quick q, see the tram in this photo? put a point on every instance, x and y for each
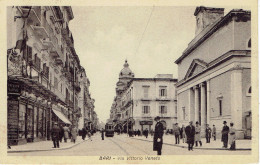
(109, 129)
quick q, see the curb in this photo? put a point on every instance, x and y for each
(239, 149)
(52, 149)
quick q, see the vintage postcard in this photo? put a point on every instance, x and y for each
(129, 82)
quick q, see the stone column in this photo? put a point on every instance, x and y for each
(203, 108)
(236, 100)
(196, 101)
(208, 103)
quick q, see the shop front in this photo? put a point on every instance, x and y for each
(28, 113)
(147, 124)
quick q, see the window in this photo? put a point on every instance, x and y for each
(162, 109)
(183, 113)
(163, 92)
(146, 109)
(146, 89)
(220, 107)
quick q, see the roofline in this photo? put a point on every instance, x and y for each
(218, 25)
(226, 56)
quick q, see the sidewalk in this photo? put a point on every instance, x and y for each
(213, 145)
(44, 146)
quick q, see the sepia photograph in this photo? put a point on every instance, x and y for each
(130, 84)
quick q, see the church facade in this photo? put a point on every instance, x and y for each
(214, 72)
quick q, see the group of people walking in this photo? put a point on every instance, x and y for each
(63, 132)
(192, 135)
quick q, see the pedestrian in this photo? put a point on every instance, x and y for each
(146, 133)
(214, 132)
(190, 133)
(152, 132)
(74, 133)
(135, 132)
(66, 133)
(139, 132)
(102, 133)
(158, 136)
(208, 133)
(177, 134)
(232, 137)
(55, 133)
(181, 133)
(197, 134)
(61, 135)
(83, 133)
(89, 135)
(184, 139)
(224, 138)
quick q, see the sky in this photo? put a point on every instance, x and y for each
(150, 38)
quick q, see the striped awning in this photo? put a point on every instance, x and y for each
(61, 116)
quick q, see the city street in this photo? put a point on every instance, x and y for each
(121, 145)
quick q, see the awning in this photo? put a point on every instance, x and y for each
(61, 116)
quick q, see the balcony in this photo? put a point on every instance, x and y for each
(67, 35)
(163, 98)
(35, 13)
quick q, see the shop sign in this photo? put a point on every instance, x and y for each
(146, 122)
(13, 87)
(13, 110)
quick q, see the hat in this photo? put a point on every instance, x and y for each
(197, 122)
(191, 122)
(176, 123)
(157, 118)
(224, 122)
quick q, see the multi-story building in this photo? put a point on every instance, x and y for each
(44, 72)
(142, 99)
(214, 71)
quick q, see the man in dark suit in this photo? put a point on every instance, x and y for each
(55, 134)
(158, 136)
(190, 132)
(225, 131)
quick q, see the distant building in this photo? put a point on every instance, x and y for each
(214, 71)
(140, 100)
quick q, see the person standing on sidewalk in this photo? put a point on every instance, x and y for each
(184, 139)
(89, 135)
(74, 133)
(158, 136)
(61, 132)
(55, 133)
(190, 132)
(83, 133)
(102, 133)
(197, 134)
(177, 134)
(224, 138)
(66, 133)
(146, 133)
(232, 137)
(208, 133)
(214, 132)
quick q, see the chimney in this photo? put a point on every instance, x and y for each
(206, 16)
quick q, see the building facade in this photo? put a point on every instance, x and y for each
(141, 100)
(214, 72)
(44, 72)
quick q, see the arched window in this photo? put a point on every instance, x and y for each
(249, 43)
